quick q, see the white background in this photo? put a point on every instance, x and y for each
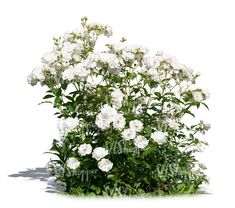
(200, 33)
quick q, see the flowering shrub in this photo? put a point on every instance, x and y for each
(121, 117)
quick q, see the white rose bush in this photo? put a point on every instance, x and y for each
(121, 117)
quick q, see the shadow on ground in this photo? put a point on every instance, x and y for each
(39, 174)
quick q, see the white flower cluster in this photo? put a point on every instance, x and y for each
(98, 153)
(79, 71)
(104, 164)
(110, 115)
(136, 126)
(141, 142)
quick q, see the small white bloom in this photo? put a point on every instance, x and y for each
(99, 153)
(68, 74)
(205, 126)
(152, 72)
(71, 123)
(49, 58)
(206, 93)
(105, 165)
(105, 117)
(67, 125)
(93, 80)
(172, 123)
(136, 125)
(158, 137)
(117, 98)
(67, 50)
(73, 163)
(141, 142)
(128, 134)
(198, 96)
(110, 59)
(108, 31)
(189, 73)
(84, 149)
(101, 122)
(151, 62)
(119, 122)
(127, 56)
(38, 74)
(90, 61)
(81, 70)
(31, 80)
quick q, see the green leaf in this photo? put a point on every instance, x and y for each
(48, 96)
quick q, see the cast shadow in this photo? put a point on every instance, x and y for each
(39, 174)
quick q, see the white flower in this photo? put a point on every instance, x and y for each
(189, 73)
(198, 96)
(73, 163)
(81, 70)
(128, 134)
(90, 61)
(78, 70)
(117, 98)
(206, 93)
(99, 152)
(93, 80)
(31, 80)
(155, 75)
(105, 117)
(67, 50)
(172, 123)
(105, 165)
(151, 61)
(166, 57)
(101, 122)
(119, 122)
(67, 125)
(108, 31)
(49, 58)
(110, 59)
(38, 74)
(136, 125)
(84, 149)
(205, 126)
(68, 74)
(152, 72)
(127, 56)
(141, 142)
(158, 137)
